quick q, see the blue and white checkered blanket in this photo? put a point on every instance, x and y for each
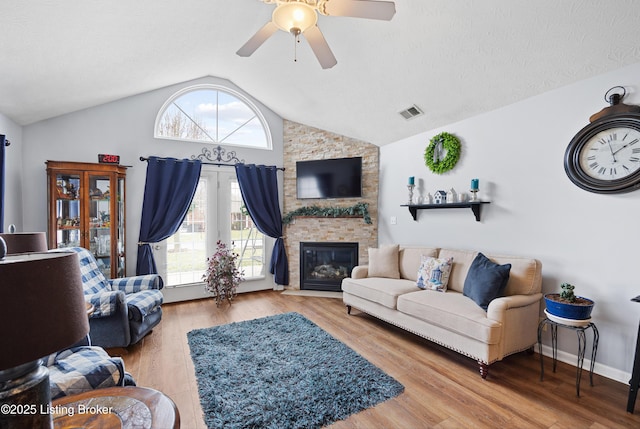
(84, 368)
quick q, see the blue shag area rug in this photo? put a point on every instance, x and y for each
(282, 372)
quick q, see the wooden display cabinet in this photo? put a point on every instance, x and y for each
(87, 209)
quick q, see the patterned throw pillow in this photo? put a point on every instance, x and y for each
(433, 273)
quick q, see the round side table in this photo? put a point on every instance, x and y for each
(116, 407)
(582, 345)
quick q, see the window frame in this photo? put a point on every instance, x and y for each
(220, 88)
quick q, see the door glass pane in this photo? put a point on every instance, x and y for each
(248, 242)
(186, 249)
(100, 222)
(68, 210)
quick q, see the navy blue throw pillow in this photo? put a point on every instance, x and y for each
(485, 280)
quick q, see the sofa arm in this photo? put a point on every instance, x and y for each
(360, 272)
(499, 306)
(107, 303)
(137, 283)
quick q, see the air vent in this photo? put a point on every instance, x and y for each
(411, 112)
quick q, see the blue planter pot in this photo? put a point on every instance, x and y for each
(568, 310)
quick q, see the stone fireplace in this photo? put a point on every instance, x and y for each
(323, 265)
(303, 143)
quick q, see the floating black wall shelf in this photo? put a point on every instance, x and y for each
(475, 207)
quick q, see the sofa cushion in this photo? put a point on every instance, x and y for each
(380, 290)
(485, 280)
(383, 262)
(434, 273)
(462, 260)
(525, 276)
(410, 259)
(452, 311)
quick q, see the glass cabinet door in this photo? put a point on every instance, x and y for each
(99, 237)
(120, 249)
(68, 210)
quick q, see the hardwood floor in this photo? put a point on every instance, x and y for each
(442, 388)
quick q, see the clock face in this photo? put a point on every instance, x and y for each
(604, 157)
(611, 154)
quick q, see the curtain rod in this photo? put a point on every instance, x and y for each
(218, 164)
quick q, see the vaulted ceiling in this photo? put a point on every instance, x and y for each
(452, 58)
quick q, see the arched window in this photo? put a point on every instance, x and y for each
(215, 115)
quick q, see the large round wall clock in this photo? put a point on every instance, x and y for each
(604, 157)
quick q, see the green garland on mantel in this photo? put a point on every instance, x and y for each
(360, 209)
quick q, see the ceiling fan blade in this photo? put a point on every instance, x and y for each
(383, 10)
(257, 39)
(320, 47)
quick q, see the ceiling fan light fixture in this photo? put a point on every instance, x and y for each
(294, 17)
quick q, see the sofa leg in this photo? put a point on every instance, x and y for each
(484, 370)
(348, 309)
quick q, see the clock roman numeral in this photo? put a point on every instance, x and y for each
(636, 150)
(593, 165)
(634, 159)
(632, 142)
(602, 170)
(591, 158)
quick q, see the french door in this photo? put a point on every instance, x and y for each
(216, 213)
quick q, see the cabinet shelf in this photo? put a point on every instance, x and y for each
(475, 207)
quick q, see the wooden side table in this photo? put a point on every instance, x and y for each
(116, 407)
(582, 345)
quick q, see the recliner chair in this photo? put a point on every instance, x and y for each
(125, 309)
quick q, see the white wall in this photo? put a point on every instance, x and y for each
(13, 176)
(517, 152)
(125, 128)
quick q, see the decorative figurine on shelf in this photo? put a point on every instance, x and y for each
(440, 197)
(95, 194)
(474, 189)
(451, 196)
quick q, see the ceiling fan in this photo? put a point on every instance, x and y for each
(300, 17)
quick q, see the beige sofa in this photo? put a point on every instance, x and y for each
(451, 319)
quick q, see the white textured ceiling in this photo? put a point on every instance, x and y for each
(452, 58)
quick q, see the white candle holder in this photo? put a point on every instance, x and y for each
(410, 188)
(474, 196)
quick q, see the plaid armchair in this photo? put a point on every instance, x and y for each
(126, 309)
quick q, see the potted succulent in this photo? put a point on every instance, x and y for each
(568, 306)
(222, 276)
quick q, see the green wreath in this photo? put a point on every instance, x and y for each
(433, 154)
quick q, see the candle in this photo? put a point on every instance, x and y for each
(412, 180)
(474, 184)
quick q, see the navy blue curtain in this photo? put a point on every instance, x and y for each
(2, 143)
(259, 188)
(168, 192)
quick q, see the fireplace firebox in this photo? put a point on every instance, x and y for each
(323, 265)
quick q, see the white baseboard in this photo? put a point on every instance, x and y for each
(600, 369)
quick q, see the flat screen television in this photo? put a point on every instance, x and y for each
(329, 178)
